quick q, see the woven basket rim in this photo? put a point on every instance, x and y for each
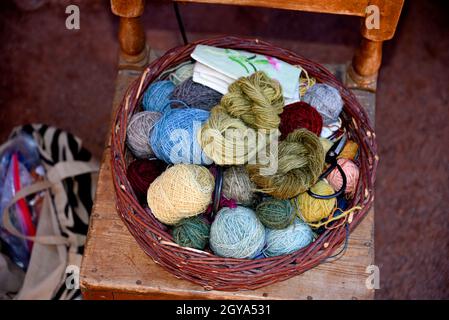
(206, 269)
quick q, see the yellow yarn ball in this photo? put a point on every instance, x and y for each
(182, 191)
(312, 209)
(349, 150)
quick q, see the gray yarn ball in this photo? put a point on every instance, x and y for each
(284, 241)
(326, 100)
(138, 133)
(237, 233)
(196, 95)
(238, 186)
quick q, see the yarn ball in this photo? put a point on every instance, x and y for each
(275, 214)
(327, 144)
(284, 241)
(157, 96)
(257, 100)
(238, 186)
(300, 163)
(352, 176)
(141, 173)
(326, 100)
(237, 233)
(222, 139)
(181, 191)
(300, 115)
(174, 138)
(342, 205)
(192, 232)
(350, 150)
(182, 73)
(312, 209)
(196, 95)
(138, 131)
(331, 130)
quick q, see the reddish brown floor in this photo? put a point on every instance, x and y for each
(66, 78)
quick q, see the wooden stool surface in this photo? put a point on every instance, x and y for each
(115, 267)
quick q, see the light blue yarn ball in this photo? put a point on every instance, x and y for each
(288, 240)
(326, 100)
(157, 96)
(174, 137)
(237, 233)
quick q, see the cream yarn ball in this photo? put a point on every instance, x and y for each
(182, 191)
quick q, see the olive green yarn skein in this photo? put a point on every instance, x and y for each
(300, 163)
(275, 214)
(192, 232)
(257, 100)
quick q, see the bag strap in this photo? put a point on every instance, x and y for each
(59, 172)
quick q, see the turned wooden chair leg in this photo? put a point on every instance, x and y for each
(134, 52)
(365, 65)
(363, 71)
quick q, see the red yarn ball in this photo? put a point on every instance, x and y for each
(141, 173)
(300, 115)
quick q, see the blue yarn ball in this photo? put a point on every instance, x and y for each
(174, 137)
(237, 233)
(157, 96)
(288, 240)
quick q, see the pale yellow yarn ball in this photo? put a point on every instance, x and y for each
(313, 209)
(182, 191)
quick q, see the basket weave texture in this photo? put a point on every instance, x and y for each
(206, 269)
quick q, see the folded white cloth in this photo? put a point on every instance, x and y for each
(217, 68)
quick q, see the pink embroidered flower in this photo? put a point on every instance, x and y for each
(274, 62)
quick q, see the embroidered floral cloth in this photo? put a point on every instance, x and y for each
(217, 68)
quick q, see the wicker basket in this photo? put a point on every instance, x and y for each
(206, 269)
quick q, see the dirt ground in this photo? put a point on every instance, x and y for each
(66, 78)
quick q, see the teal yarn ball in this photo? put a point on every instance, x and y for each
(192, 232)
(275, 214)
(157, 96)
(174, 137)
(237, 233)
(288, 240)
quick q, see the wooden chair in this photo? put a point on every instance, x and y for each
(114, 266)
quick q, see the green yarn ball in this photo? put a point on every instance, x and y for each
(275, 214)
(192, 232)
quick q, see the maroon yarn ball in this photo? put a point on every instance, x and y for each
(141, 173)
(300, 115)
